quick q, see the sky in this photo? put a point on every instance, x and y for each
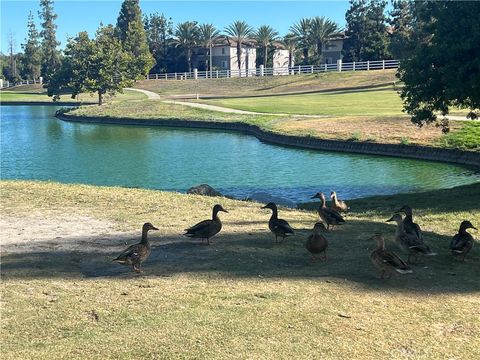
(75, 16)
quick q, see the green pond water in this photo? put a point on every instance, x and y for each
(35, 145)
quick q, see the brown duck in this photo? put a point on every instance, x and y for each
(317, 243)
(136, 254)
(410, 243)
(207, 228)
(278, 227)
(337, 204)
(462, 242)
(328, 216)
(387, 261)
(411, 228)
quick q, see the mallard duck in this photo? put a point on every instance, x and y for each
(136, 254)
(337, 204)
(387, 261)
(278, 226)
(462, 242)
(409, 242)
(207, 228)
(410, 227)
(316, 242)
(328, 216)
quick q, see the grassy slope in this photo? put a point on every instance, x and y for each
(270, 84)
(243, 297)
(38, 94)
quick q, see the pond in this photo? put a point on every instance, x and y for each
(35, 145)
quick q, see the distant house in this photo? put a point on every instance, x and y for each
(224, 56)
(280, 59)
(332, 51)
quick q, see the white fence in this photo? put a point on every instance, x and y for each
(294, 70)
(4, 84)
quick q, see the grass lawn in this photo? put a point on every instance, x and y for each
(370, 102)
(242, 297)
(38, 94)
(268, 85)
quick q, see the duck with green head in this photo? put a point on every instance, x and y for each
(462, 242)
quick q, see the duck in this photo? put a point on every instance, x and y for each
(387, 261)
(278, 227)
(410, 227)
(328, 215)
(136, 254)
(462, 242)
(316, 242)
(337, 204)
(207, 228)
(410, 243)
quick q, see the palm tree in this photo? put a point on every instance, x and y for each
(186, 37)
(321, 30)
(290, 42)
(301, 30)
(265, 35)
(239, 31)
(208, 34)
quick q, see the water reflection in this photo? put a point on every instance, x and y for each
(37, 146)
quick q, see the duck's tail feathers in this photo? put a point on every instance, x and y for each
(119, 261)
(457, 251)
(404, 271)
(431, 254)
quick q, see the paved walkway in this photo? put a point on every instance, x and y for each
(150, 94)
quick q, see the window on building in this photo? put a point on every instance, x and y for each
(224, 64)
(223, 51)
(329, 60)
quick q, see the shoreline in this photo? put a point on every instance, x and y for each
(462, 157)
(43, 103)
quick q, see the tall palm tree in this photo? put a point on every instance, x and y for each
(265, 35)
(186, 37)
(290, 42)
(208, 35)
(301, 30)
(321, 30)
(239, 31)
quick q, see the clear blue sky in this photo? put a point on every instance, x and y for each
(75, 16)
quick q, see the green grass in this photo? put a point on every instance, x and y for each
(38, 94)
(242, 297)
(373, 102)
(468, 137)
(267, 85)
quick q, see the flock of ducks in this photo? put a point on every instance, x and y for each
(408, 236)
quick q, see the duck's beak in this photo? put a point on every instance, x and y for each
(314, 196)
(264, 207)
(154, 228)
(473, 227)
(224, 210)
(391, 219)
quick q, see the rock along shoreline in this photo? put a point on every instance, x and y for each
(469, 158)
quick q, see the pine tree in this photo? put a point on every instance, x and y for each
(159, 31)
(32, 56)
(131, 32)
(50, 54)
(401, 21)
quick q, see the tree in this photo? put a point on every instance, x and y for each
(265, 35)
(239, 31)
(50, 54)
(301, 30)
(290, 43)
(32, 56)
(96, 66)
(208, 34)
(159, 31)
(186, 37)
(321, 30)
(131, 32)
(366, 31)
(444, 68)
(401, 23)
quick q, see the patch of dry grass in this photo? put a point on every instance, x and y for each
(243, 297)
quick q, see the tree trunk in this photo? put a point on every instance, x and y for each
(100, 99)
(305, 56)
(207, 56)
(290, 58)
(239, 58)
(265, 57)
(189, 59)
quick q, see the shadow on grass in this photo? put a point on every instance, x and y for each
(253, 255)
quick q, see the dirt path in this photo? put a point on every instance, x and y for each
(150, 94)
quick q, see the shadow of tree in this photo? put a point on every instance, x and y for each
(251, 255)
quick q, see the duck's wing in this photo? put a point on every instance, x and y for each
(133, 253)
(395, 261)
(413, 229)
(335, 215)
(198, 228)
(283, 226)
(459, 243)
